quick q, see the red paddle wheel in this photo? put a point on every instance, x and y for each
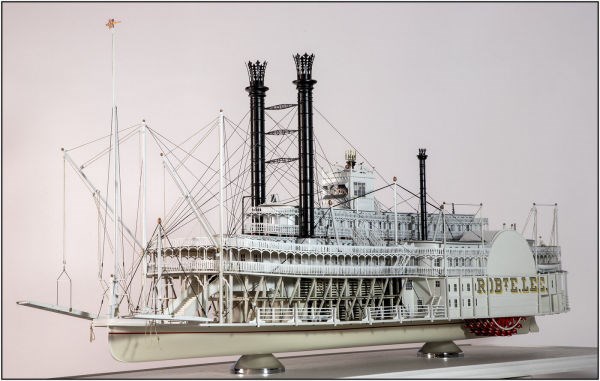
(504, 326)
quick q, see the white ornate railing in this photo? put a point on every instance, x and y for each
(410, 249)
(402, 313)
(268, 315)
(211, 266)
(262, 228)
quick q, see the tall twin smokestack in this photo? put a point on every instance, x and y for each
(304, 84)
(256, 91)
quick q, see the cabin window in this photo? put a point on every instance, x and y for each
(437, 283)
(455, 287)
(455, 303)
(468, 302)
(409, 285)
(468, 286)
(359, 189)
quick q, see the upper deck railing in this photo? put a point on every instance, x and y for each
(268, 268)
(292, 247)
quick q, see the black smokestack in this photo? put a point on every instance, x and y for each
(304, 84)
(423, 194)
(256, 92)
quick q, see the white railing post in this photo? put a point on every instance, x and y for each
(295, 315)
(257, 317)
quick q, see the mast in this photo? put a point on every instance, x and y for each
(115, 127)
(423, 194)
(304, 85)
(160, 285)
(144, 203)
(395, 212)
(221, 182)
(257, 91)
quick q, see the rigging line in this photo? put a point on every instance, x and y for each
(405, 200)
(107, 150)
(277, 123)
(293, 117)
(185, 274)
(171, 228)
(400, 203)
(101, 138)
(373, 191)
(279, 181)
(133, 274)
(209, 124)
(181, 223)
(101, 241)
(237, 123)
(289, 139)
(137, 216)
(229, 192)
(209, 166)
(368, 162)
(323, 155)
(126, 288)
(205, 187)
(241, 180)
(105, 235)
(291, 143)
(121, 230)
(347, 141)
(431, 197)
(159, 144)
(202, 140)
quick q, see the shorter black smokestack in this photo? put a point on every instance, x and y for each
(423, 193)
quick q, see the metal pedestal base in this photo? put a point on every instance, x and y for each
(440, 349)
(258, 364)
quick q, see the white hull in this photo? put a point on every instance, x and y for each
(166, 342)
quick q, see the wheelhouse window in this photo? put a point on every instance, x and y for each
(359, 189)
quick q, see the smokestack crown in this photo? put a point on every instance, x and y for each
(256, 73)
(422, 155)
(304, 65)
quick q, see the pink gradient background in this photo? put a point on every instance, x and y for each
(504, 96)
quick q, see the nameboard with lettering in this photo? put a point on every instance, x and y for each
(512, 285)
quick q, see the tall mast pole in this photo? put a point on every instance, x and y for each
(221, 125)
(115, 127)
(144, 203)
(395, 213)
